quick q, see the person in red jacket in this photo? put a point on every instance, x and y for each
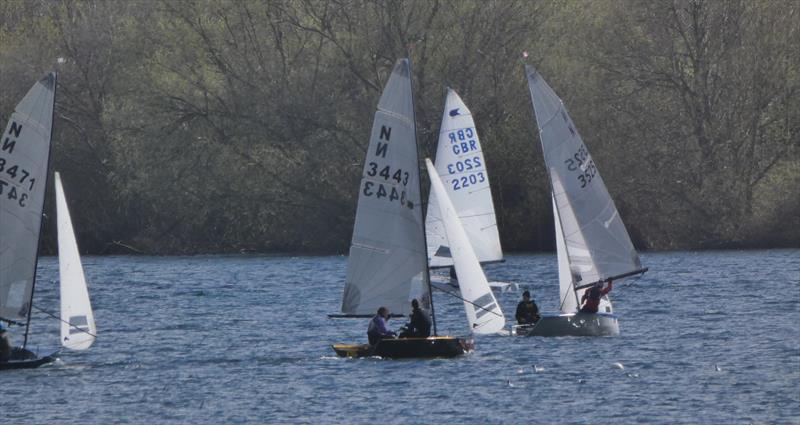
(591, 298)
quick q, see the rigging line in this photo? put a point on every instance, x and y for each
(462, 299)
(566, 294)
(62, 320)
(12, 322)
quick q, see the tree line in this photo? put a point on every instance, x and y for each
(229, 126)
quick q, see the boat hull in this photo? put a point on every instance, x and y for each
(409, 348)
(573, 324)
(25, 359)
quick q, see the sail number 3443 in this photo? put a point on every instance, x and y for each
(378, 190)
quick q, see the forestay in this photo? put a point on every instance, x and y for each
(387, 263)
(77, 320)
(483, 310)
(459, 160)
(597, 244)
(24, 155)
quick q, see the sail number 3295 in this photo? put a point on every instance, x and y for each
(583, 163)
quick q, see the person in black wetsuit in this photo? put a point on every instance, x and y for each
(5, 346)
(420, 324)
(527, 310)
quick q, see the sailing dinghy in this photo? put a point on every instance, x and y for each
(591, 241)
(460, 162)
(24, 161)
(387, 265)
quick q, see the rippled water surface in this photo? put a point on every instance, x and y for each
(708, 337)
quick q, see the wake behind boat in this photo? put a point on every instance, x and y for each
(592, 243)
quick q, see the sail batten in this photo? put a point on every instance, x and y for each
(461, 165)
(593, 238)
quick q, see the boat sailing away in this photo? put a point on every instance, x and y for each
(459, 157)
(591, 241)
(387, 265)
(24, 163)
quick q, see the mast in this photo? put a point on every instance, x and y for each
(426, 274)
(41, 222)
(601, 246)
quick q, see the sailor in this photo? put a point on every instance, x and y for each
(5, 346)
(420, 325)
(527, 310)
(377, 329)
(593, 295)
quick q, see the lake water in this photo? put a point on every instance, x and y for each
(706, 337)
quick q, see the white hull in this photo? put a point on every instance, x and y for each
(572, 324)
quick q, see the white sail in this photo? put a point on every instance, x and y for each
(459, 160)
(483, 310)
(387, 264)
(77, 320)
(568, 298)
(24, 156)
(597, 244)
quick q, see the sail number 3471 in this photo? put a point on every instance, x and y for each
(18, 175)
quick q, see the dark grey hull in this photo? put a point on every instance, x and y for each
(25, 359)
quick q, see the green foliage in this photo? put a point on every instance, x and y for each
(226, 126)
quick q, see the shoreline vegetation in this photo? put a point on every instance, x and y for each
(197, 127)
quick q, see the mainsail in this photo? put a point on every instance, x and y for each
(24, 155)
(77, 320)
(483, 310)
(596, 242)
(459, 160)
(387, 263)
